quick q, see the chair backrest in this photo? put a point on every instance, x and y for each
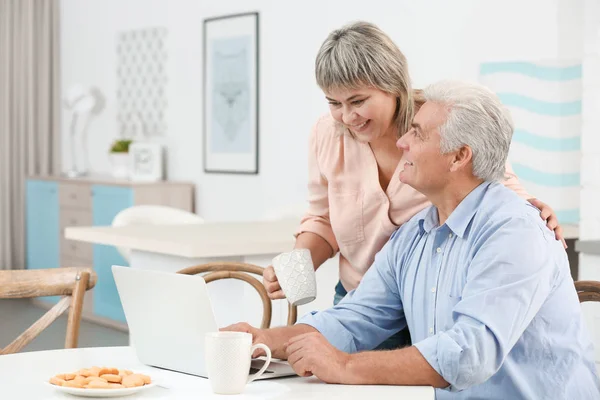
(588, 290)
(242, 271)
(152, 215)
(72, 283)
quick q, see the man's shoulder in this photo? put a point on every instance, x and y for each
(501, 208)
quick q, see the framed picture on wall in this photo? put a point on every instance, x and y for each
(230, 121)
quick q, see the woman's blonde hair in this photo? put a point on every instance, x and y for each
(360, 54)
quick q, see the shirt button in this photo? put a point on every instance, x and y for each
(431, 330)
(438, 250)
(432, 290)
(450, 235)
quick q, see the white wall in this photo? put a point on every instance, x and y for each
(590, 157)
(441, 40)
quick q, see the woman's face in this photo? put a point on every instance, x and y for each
(367, 112)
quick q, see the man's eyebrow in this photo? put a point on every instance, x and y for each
(416, 126)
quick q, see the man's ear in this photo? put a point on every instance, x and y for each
(462, 157)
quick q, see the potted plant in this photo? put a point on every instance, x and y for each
(119, 158)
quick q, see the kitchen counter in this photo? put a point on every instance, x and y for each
(588, 246)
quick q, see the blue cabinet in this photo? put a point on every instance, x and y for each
(107, 202)
(42, 227)
(54, 203)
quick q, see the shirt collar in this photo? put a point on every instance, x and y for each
(430, 220)
(462, 215)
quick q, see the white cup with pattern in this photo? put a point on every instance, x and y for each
(296, 275)
(228, 356)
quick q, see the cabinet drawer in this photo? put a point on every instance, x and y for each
(75, 249)
(75, 195)
(75, 217)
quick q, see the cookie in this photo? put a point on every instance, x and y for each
(111, 378)
(115, 386)
(84, 372)
(97, 384)
(132, 381)
(105, 371)
(146, 379)
(93, 378)
(101, 378)
(74, 384)
(55, 380)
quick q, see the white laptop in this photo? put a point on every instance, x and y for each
(168, 315)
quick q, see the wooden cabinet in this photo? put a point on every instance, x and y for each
(56, 203)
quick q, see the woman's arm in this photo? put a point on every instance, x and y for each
(315, 232)
(511, 181)
(320, 250)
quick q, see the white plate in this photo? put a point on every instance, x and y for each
(100, 392)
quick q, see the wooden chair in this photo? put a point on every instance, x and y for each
(71, 283)
(242, 271)
(588, 290)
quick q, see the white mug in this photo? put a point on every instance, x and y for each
(228, 356)
(296, 275)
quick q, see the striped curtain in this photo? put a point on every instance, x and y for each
(545, 102)
(29, 112)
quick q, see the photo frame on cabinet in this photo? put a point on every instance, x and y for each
(231, 109)
(146, 162)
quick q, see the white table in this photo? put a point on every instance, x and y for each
(22, 376)
(171, 248)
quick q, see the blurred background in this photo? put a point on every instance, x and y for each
(80, 81)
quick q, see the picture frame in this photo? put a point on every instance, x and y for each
(146, 162)
(231, 94)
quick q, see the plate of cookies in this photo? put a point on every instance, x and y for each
(101, 382)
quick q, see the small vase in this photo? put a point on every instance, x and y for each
(120, 165)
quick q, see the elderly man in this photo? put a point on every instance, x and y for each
(482, 284)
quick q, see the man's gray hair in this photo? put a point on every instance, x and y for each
(478, 119)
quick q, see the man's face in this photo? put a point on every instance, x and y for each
(425, 168)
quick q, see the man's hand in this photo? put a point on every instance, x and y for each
(311, 354)
(258, 335)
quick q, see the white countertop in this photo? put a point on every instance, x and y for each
(208, 240)
(570, 231)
